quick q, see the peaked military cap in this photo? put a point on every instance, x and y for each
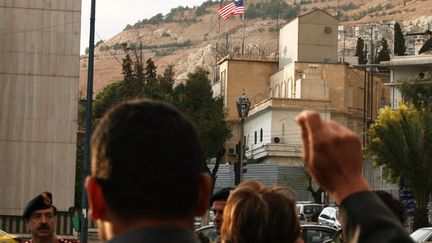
(41, 201)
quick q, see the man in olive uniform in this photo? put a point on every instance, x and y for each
(40, 218)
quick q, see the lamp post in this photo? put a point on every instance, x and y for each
(243, 105)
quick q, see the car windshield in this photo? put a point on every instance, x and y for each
(421, 235)
(312, 209)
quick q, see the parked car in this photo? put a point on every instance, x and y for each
(8, 238)
(328, 217)
(308, 211)
(209, 231)
(311, 233)
(422, 235)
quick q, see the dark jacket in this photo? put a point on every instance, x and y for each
(160, 234)
(367, 217)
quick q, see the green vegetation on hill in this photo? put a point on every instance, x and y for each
(133, 46)
(175, 15)
(269, 9)
(272, 9)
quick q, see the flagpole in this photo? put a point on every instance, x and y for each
(218, 33)
(243, 34)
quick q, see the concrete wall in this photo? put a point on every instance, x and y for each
(317, 37)
(39, 73)
(400, 74)
(252, 76)
(340, 85)
(284, 84)
(288, 43)
(236, 75)
(276, 117)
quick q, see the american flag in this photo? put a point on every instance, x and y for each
(233, 8)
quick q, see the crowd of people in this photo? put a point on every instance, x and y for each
(147, 184)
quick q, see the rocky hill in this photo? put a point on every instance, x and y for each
(190, 37)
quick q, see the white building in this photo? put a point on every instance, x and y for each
(39, 75)
(402, 68)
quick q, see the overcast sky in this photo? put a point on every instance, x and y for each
(113, 15)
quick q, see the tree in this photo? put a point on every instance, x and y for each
(107, 98)
(127, 71)
(195, 98)
(359, 51)
(401, 142)
(383, 54)
(166, 81)
(150, 71)
(399, 41)
(418, 91)
(151, 88)
(132, 71)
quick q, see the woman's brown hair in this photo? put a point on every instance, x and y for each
(258, 214)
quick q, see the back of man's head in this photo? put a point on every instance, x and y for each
(147, 159)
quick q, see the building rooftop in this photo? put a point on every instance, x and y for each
(408, 61)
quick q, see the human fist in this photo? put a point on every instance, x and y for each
(332, 155)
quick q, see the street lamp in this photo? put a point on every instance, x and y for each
(243, 105)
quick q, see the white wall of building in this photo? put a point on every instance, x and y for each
(288, 43)
(255, 124)
(284, 84)
(276, 122)
(39, 75)
(397, 75)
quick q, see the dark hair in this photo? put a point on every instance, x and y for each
(221, 195)
(147, 159)
(393, 204)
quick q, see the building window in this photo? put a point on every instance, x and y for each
(255, 137)
(261, 135)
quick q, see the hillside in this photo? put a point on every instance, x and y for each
(189, 37)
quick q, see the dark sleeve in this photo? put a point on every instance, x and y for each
(369, 220)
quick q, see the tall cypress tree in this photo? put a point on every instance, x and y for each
(151, 87)
(360, 52)
(383, 54)
(399, 41)
(166, 81)
(132, 85)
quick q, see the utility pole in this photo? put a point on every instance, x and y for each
(243, 105)
(372, 76)
(88, 131)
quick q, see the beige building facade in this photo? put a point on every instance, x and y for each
(236, 75)
(307, 76)
(312, 37)
(39, 75)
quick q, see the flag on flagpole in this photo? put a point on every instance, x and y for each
(239, 7)
(233, 8)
